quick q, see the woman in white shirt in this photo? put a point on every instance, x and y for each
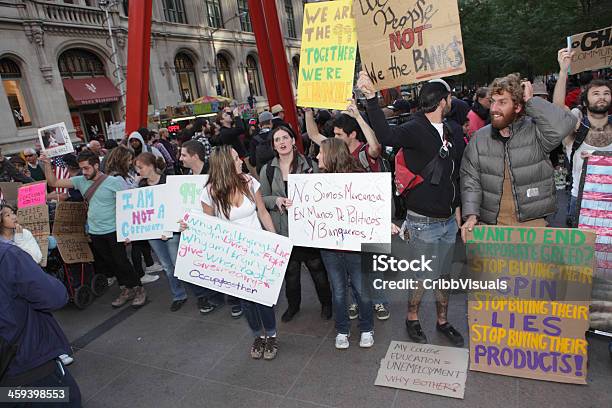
(11, 231)
(234, 196)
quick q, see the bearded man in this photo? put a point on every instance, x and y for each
(594, 127)
(506, 174)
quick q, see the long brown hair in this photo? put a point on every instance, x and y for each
(337, 158)
(118, 161)
(224, 182)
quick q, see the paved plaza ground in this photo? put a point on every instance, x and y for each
(155, 358)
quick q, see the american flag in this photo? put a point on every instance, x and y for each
(596, 214)
(61, 172)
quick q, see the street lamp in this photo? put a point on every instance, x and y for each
(106, 5)
(212, 41)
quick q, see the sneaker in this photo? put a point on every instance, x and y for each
(415, 331)
(270, 349)
(140, 297)
(148, 278)
(177, 304)
(156, 267)
(381, 311)
(451, 333)
(353, 311)
(367, 339)
(257, 349)
(236, 311)
(111, 281)
(66, 359)
(342, 341)
(125, 295)
(205, 306)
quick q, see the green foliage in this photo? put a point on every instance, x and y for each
(503, 36)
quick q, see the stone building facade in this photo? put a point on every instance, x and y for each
(57, 62)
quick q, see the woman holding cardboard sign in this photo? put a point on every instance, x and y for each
(273, 178)
(334, 157)
(234, 196)
(151, 171)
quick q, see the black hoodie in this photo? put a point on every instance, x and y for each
(421, 143)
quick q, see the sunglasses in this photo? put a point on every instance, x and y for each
(28, 155)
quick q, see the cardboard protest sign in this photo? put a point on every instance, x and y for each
(327, 57)
(592, 50)
(186, 191)
(69, 231)
(8, 192)
(341, 210)
(55, 140)
(141, 213)
(36, 220)
(594, 205)
(232, 259)
(408, 41)
(32, 194)
(534, 328)
(424, 368)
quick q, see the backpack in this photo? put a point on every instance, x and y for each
(405, 180)
(270, 170)
(383, 162)
(263, 150)
(579, 138)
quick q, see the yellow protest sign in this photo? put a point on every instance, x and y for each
(327, 57)
(408, 41)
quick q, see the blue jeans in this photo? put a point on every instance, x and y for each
(340, 266)
(167, 251)
(378, 297)
(261, 318)
(571, 210)
(435, 238)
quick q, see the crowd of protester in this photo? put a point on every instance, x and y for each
(482, 158)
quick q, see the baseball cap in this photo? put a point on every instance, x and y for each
(265, 116)
(401, 104)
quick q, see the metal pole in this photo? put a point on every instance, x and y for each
(212, 43)
(118, 74)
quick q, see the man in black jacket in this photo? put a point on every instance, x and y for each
(433, 211)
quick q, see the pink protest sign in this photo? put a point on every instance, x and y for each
(32, 194)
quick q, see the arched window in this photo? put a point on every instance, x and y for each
(295, 62)
(185, 72)
(253, 76)
(225, 77)
(13, 83)
(78, 62)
